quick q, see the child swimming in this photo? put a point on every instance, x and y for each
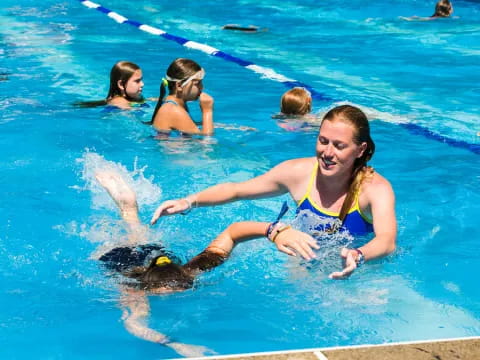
(125, 91)
(296, 101)
(295, 109)
(184, 82)
(126, 85)
(149, 269)
(443, 9)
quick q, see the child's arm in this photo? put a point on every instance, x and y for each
(136, 311)
(174, 117)
(206, 105)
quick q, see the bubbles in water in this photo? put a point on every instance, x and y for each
(328, 256)
(147, 192)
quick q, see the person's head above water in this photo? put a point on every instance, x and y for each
(344, 140)
(296, 101)
(126, 81)
(443, 8)
(183, 79)
(357, 119)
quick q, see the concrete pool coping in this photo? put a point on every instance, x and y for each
(467, 348)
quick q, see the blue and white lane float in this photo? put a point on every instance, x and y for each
(267, 72)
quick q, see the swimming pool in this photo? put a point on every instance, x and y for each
(56, 299)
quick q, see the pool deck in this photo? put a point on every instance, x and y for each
(451, 349)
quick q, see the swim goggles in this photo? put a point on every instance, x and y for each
(163, 260)
(199, 75)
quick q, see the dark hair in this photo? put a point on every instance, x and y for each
(355, 117)
(180, 69)
(161, 272)
(122, 71)
(443, 8)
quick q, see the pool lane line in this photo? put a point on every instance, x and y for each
(267, 73)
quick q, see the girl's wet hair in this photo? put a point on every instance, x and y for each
(358, 120)
(296, 101)
(122, 71)
(443, 8)
(181, 69)
(160, 273)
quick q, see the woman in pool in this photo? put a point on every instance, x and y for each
(184, 82)
(154, 270)
(335, 184)
(126, 85)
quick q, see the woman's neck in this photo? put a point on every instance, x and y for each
(331, 189)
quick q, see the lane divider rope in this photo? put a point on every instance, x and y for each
(266, 72)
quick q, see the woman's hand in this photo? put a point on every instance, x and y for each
(170, 207)
(206, 102)
(350, 264)
(293, 242)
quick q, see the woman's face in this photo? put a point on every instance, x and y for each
(134, 85)
(336, 149)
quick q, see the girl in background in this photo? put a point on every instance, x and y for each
(126, 85)
(184, 83)
(443, 9)
(295, 111)
(296, 101)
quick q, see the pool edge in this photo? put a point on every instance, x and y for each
(445, 349)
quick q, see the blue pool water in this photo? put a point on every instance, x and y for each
(57, 302)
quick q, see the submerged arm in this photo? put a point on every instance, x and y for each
(382, 203)
(136, 310)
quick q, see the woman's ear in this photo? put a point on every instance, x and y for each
(363, 147)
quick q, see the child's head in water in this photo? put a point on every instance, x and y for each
(443, 8)
(163, 274)
(296, 101)
(126, 81)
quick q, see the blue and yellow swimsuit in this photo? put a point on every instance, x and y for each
(355, 222)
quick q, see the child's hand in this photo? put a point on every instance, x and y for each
(206, 102)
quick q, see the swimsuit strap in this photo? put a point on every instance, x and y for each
(356, 206)
(170, 102)
(310, 183)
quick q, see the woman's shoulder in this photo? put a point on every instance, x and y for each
(375, 184)
(299, 163)
(298, 168)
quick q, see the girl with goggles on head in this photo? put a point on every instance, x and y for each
(184, 83)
